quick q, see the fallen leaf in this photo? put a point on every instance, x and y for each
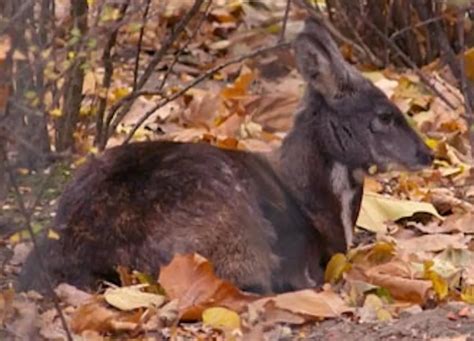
(191, 280)
(373, 310)
(221, 318)
(130, 298)
(71, 295)
(397, 278)
(24, 325)
(440, 285)
(463, 223)
(325, 304)
(336, 267)
(97, 316)
(434, 242)
(376, 210)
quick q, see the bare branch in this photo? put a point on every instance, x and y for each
(285, 20)
(115, 116)
(139, 44)
(108, 73)
(198, 80)
(411, 64)
(185, 45)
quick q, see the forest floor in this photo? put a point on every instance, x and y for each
(29, 316)
(410, 278)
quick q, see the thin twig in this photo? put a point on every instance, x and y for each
(139, 44)
(411, 64)
(198, 80)
(185, 45)
(18, 15)
(108, 73)
(27, 213)
(368, 52)
(180, 26)
(417, 25)
(115, 116)
(285, 20)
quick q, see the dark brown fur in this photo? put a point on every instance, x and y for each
(266, 227)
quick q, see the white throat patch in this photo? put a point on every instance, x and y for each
(341, 186)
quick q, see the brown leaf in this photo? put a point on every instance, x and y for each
(463, 223)
(398, 279)
(240, 87)
(434, 242)
(26, 314)
(308, 303)
(191, 280)
(97, 316)
(71, 295)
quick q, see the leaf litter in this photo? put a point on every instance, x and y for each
(389, 278)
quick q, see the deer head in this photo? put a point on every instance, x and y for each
(355, 123)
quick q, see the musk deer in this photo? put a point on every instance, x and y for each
(267, 227)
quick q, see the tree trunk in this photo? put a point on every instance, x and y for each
(72, 98)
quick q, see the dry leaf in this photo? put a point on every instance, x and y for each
(336, 267)
(376, 210)
(398, 279)
(97, 316)
(434, 242)
(373, 310)
(463, 223)
(325, 304)
(191, 280)
(221, 318)
(71, 295)
(24, 324)
(130, 298)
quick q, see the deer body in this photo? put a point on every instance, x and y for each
(267, 227)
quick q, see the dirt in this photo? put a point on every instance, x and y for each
(441, 322)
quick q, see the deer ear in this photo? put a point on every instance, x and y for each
(321, 64)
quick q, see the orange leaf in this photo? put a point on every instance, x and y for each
(97, 316)
(191, 280)
(240, 86)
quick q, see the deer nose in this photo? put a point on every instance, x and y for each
(425, 157)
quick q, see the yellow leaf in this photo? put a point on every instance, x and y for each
(336, 267)
(119, 93)
(377, 209)
(467, 294)
(440, 285)
(80, 161)
(383, 315)
(15, 238)
(53, 234)
(221, 318)
(130, 298)
(109, 13)
(56, 112)
(381, 253)
(469, 63)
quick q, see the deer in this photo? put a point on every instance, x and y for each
(267, 224)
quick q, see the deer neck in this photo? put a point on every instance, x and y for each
(329, 190)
